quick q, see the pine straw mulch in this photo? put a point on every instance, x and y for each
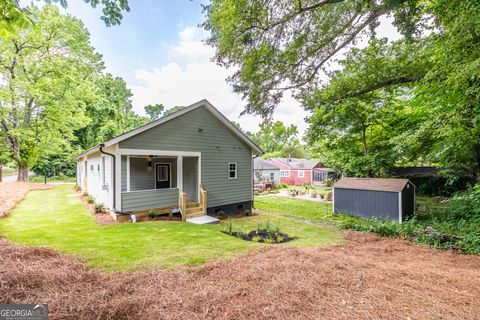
(13, 192)
(368, 278)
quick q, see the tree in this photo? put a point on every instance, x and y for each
(172, 110)
(47, 76)
(110, 112)
(154, 111)
(283, 46)
(275, 136)
(14, 18)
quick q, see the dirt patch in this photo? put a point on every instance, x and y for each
(368, 278)
(12, 193)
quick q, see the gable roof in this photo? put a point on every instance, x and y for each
(297, 163)
(375, 184)
(150, 125)
(261, 164)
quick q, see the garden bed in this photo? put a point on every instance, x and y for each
(263, 236)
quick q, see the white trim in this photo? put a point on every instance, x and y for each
(333, 200)
(135, 191)
(169, 164)
(157, 122)
(236, 171)
(179, 176)
(199, 170)
(303, 173)
(128, 173)
(157, 153)
(400, 213)
(118, 179)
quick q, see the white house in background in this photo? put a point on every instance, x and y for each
(171, 164)
(265, 170)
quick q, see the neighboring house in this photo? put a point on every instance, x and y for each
(388, 199)
(295, 171)
(265, 170)
(194, 160)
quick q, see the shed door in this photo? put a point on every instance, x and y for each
(162, 175)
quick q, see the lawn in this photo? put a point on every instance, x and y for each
(9, 172)
(311, 210)
(57, 219)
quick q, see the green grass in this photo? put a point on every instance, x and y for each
(9, 172)
(307, 209)
(57, 219)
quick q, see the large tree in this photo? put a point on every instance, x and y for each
(47, 79)
(285, 45)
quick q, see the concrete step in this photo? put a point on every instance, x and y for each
(203, 219)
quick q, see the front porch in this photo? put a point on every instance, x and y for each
(163, 182)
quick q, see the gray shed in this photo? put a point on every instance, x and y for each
(387, 199)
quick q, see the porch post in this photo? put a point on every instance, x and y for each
(118, 180)
(128, 173)
(180, 174)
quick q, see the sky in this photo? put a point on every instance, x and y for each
(158, 51)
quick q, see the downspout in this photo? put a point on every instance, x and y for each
(101, 146)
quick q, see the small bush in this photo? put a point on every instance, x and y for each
(152, 214)
(99, 208)
(281, 186)
(77, 188)
(90, 199)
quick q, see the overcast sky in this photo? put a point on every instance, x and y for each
(158, 51)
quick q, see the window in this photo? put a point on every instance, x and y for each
(285, 173)
(103, 170)
(162, 173)
(232, 171)
(272, 176)
(301, 174)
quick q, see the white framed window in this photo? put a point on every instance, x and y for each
(103, 171)
(272, 176)
(162, 173)
(232, 170)
(285, 173)
(301, 174)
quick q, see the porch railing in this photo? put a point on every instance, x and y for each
(183, 205)
(203, 199)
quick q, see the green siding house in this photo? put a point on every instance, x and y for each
(194, 161)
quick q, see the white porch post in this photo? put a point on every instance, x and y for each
(180, 175)
(118, 180)
(128, 173)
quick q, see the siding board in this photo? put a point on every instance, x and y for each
(147, 199)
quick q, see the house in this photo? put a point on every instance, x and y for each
(296, 171)
(387, 199)
(265, 170)
(194, 161)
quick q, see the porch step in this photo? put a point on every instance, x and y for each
(193, 205)
(204, 219)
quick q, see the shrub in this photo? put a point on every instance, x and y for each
(77, 188)
(281, 186)
(229, 227)
(90, 199)
(99, 208)
(152, 214)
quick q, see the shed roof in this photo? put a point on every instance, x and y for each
(297, 163)
(375, 184)
(261, 164)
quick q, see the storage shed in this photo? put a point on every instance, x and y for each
(387, 199)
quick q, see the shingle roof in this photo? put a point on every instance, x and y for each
(297, 163)
(375, 184)
(260, 164)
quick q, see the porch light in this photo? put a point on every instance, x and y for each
(150, 161)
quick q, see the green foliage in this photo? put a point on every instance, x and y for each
(154, 111)
(152, 214)
(99, 208)
(44, 93)
(90, 199)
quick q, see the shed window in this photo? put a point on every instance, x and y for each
(301, 174)
(232, 171)
(284, 173)
(272, 176)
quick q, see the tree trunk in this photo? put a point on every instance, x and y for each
(22, 173)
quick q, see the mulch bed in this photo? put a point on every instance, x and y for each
(368, 278)
(262, 235)
(12, 193)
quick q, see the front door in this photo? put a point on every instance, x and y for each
(162, 175)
